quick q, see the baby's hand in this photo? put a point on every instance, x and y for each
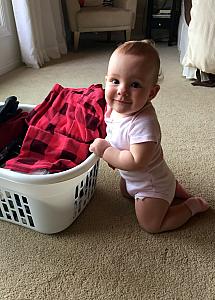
(99, 146)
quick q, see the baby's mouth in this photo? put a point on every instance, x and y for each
(122, 101)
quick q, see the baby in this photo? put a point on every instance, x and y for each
(133, 142)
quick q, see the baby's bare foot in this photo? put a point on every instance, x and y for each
(196, 205)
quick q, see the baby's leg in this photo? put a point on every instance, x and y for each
(155, 215)
(123, 189)
(180, 192)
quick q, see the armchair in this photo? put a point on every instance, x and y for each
(95, 17)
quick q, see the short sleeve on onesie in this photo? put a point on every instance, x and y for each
(145, 127)
(142, 127)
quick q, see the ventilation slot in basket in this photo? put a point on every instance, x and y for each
(85, 189)
(15, 208)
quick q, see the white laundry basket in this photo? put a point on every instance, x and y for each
(47, 203)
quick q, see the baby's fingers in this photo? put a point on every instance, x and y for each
(91, 148)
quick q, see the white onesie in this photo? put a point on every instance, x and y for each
(156, 180)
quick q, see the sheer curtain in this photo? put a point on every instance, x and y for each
(183, 41)
(188, 72)
(40, 30)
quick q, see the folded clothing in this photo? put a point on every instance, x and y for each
(61, 129)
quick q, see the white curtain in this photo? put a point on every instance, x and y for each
(183, 40)
(40, 30)
(188, 72)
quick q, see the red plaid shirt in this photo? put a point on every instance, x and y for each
(61, 129)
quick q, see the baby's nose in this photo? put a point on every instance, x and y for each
(122, 90)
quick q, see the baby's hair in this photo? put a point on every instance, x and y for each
(149, 41)
(152, 43)
(143, 48)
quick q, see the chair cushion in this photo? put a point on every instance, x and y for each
(101, 17)
(96, 2)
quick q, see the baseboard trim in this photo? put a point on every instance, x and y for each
(10, 66)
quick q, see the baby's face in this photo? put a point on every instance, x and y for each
(129, 83)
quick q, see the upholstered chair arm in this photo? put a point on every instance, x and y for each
(73, 7)
(128, 4)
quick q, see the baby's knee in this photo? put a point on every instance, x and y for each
(148, 216)
(150, 226)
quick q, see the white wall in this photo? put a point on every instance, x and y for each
(9, 47)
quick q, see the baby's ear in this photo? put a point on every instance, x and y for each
(154, 90)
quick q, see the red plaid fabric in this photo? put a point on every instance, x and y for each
(61, 129)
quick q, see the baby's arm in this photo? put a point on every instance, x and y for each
(137, 157)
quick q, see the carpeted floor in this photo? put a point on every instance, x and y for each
(104, 255)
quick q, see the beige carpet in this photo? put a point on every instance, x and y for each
(104, 254)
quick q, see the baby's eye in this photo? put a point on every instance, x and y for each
(115, 81)
(136, 85)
